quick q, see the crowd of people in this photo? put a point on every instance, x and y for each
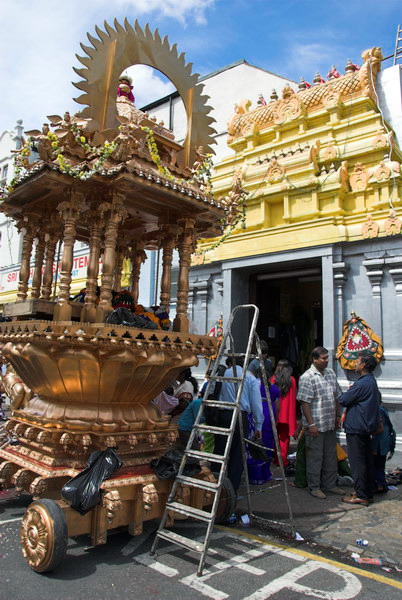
(310, 410)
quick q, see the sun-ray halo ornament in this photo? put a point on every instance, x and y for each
(115, 50)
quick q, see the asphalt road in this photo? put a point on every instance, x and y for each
(240, 565)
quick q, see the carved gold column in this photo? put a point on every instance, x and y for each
(88, 313)
(47, 279)
(121, 253)
(168, 245)
(27, 243)
(69, 211)
(138, 257)
(39, 256)
(185, 248)
(117, 214)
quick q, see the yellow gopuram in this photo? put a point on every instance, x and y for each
(318, 167)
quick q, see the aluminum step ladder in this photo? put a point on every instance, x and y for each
(226, 350)
(398, 45)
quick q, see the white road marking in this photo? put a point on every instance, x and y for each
(238, 562)
(352, 586)
(148, 561)
(347, 588)
(197, 583)
(288, 554)
(10, 520)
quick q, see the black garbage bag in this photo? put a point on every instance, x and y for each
(257, 450)
(82, 492)
(124, 316)
(167, 466)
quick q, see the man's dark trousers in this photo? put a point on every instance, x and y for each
(361, 463)
(235, 464)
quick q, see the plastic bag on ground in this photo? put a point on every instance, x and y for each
(82, 492)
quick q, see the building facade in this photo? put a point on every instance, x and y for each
(321, 168)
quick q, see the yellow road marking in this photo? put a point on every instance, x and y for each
(335, 563)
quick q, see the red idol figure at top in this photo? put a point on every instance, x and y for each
(125, 87)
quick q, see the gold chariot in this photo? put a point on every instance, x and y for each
(116, 179)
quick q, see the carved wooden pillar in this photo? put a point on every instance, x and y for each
(27, 243)
(185, 248)
(39, 256)
(88, 313)
(138, 257)
(168, 245)
(117, 214)
(121, 254)
(47, 279)
(69, 211)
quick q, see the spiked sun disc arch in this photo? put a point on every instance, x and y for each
(113, 51)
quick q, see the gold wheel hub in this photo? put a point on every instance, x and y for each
(37, 537)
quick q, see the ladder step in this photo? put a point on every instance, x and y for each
(181, 540)
(198, 483)
(189, 511)
(205, 456)
(220, 404)
(210, 429)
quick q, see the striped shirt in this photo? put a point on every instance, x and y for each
(321, 391)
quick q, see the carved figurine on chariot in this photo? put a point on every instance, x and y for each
(15, 389)
(126, 144)
(42, 143)
(66, 132)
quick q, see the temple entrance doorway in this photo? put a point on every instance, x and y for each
(291, 316)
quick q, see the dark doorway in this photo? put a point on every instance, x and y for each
(290, 319)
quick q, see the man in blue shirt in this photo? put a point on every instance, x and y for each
(362, 419)
(250, 401)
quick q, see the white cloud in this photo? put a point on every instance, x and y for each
(178, 9)
(38, 42)
(305, 60)
(149, 84)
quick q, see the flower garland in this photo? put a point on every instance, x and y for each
(153, 150)
(201, 175)
(203, 172)
(21, 159)
(239, 219)
(20, 167)
(103, 152)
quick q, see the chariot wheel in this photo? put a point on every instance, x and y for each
(227, 502)
(43, 535)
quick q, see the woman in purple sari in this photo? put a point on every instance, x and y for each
(258, 471)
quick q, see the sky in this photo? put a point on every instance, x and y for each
(292, 38)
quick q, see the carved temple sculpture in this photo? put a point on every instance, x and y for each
(292, 105)
(110, 182)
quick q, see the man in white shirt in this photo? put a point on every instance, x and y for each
(319, 393)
